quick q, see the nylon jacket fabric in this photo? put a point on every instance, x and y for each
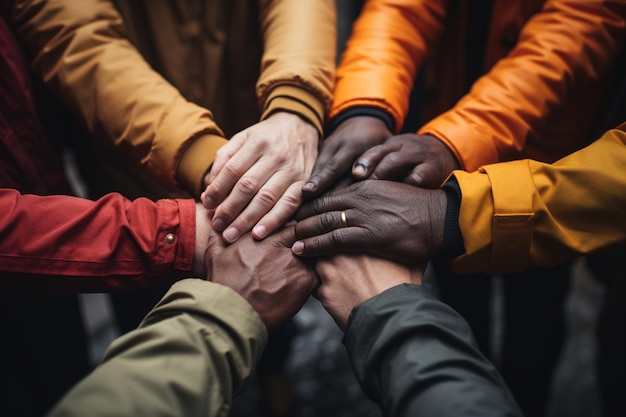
(547, 71)
(101, 246)
(91, 56)
(189, 356)
(524, 213)
(415, 356)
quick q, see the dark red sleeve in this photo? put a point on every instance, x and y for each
(61, 244)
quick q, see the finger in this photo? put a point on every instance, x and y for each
(249, 209)
(392, 167)
(366, 163)
(246, 190)
(426, 175)
(280, 212)
(223, 155)
(233, 170)
(335, 200)
(322, 223)
(344, 240)
(328, 169)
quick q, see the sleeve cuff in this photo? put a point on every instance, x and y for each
(196, 161)
(296, 100)
(363, 111)
(452, 245)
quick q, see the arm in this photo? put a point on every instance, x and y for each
(562, 54)
(256, 180)
(189, 356)
(389, 42)
(518, 214)
(61, 244)
(435, 356)
(412, 354)
(82, 55)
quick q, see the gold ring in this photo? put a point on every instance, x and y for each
(344, 221)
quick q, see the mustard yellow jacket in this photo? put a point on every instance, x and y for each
(523, 213)
(155, 78)
(547, 62)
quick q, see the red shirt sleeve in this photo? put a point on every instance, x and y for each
(61, 244)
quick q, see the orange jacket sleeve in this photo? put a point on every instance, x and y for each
(567, 46)
(389, 42)
(525, 213)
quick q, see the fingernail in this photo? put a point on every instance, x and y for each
(309, 186)
(219, 224)
(259, 232)
(360, 169)
(231, 234)
(209, 203)
(297, 247)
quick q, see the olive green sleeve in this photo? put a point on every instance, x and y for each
(188, 357)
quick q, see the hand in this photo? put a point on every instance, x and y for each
(421, 160)
(348, 281)
(339, 151)
(257, 177)
(265, 273)
(389, 219)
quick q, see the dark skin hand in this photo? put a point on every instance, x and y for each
(266, 273)
(339, 151)
(388, 219)
(420, 160)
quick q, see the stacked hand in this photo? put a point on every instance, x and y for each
(339, 151)
(388, 219)
(256, 179)
(265, 273)
(349, 280)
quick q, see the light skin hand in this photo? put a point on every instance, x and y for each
(349, 280)
(388, 219)
(421, 160)
(256, 179)
(274, 281)
(339, 151)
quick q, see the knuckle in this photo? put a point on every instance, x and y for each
(267, 197)
(291, 201)
(247, 185)
(326, 222)
(232, 168)
(338, 237)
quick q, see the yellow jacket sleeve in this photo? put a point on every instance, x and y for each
(189, 356)
(298, 64)
(524, 213)
(80, 51)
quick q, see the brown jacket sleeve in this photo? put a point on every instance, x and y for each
(519, 214)
(297, 69)
(81, 53)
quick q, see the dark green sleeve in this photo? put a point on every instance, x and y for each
(192, 352)
(415, 356)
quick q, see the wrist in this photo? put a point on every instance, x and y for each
(203, 230)
(370, 112)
